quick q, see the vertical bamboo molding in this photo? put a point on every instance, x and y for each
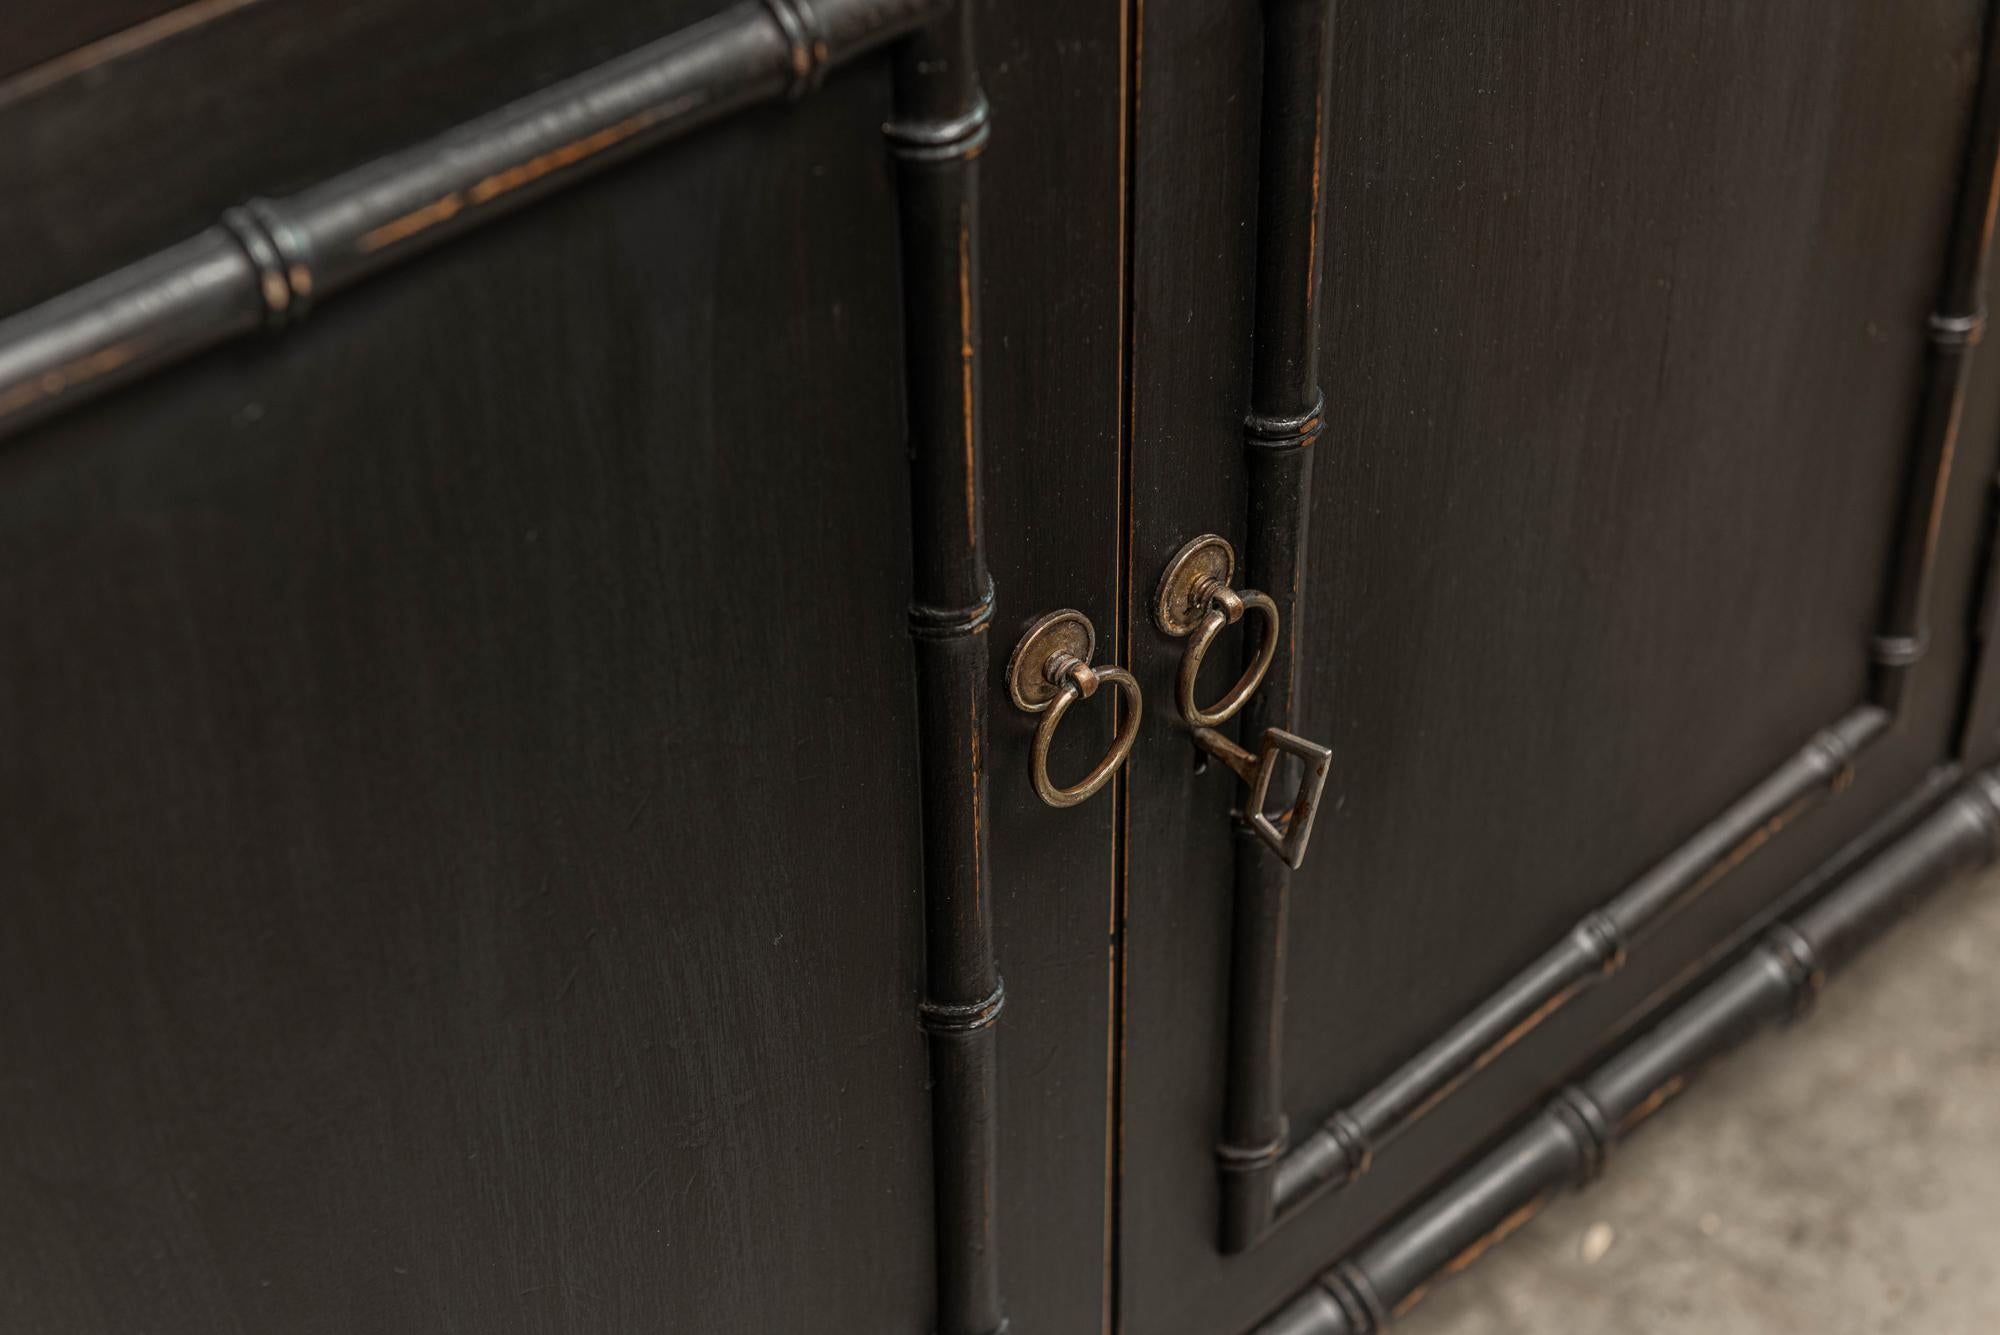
(1564, 1146)
(1286, 415)
(936, 136)
(1955, 331)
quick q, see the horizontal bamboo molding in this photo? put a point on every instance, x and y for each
(1565, 1145)
(265, 263)
(1342, 1148)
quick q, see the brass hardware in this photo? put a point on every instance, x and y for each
(1195, 599)
(1049, 672)
(1287, 834)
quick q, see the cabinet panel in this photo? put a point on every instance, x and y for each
(460, 788)
(1625, 334)
(1638, 421)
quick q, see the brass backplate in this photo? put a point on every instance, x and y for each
(1205, 562)
(1067, 632)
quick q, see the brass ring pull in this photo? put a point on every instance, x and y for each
(1195, 599)
(1049, 672)
(1081, 685)
(1226, 609)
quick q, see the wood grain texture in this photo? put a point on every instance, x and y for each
(1695, 514)
(458, 761)
(1979, 728)
(936, 133)
(56, 39)
(266, 262)
(1627, 322)
(460, 795)
(1192, 286)
(138, 152)
(1956, 325)
(1566, 1145)
(1347, 1142)
(1050, 232)
(1285, 419)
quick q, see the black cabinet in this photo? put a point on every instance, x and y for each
(515, 527)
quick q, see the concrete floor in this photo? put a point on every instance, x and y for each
(1836, 1178)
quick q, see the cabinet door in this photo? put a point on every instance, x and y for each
(1624, 350)
(461, 790)
(460, 825)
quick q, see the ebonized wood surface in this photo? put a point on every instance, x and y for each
(53, 36)
(1050, 230)
(458, 786)
(110, 157)
(459, 789)
(1627, 319)
(1193, 279)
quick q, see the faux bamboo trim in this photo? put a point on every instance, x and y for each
(1954, 330)
(1565, 1145)
(930, 141)
(806, 44)
(283, 267)
(1957, 331)
(1342, 1149)
(945, 622)
(268, 261)
(939, 1018)
(1286, 413)
(1285, 433)
(934, 136)
(1249, 1158)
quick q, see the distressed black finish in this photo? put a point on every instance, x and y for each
(508, 803)
(1955, 330)
(52, 30)
(483, 930)
(1049, 418)
(937, 134)
(125, 146)
(547, 137)
(1978, 738)
(1565, 1145)
(1287, 413)
(1590, 563)
(1050, 407)
(1261, 1180)
(267, 261)
(1342, 1148)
